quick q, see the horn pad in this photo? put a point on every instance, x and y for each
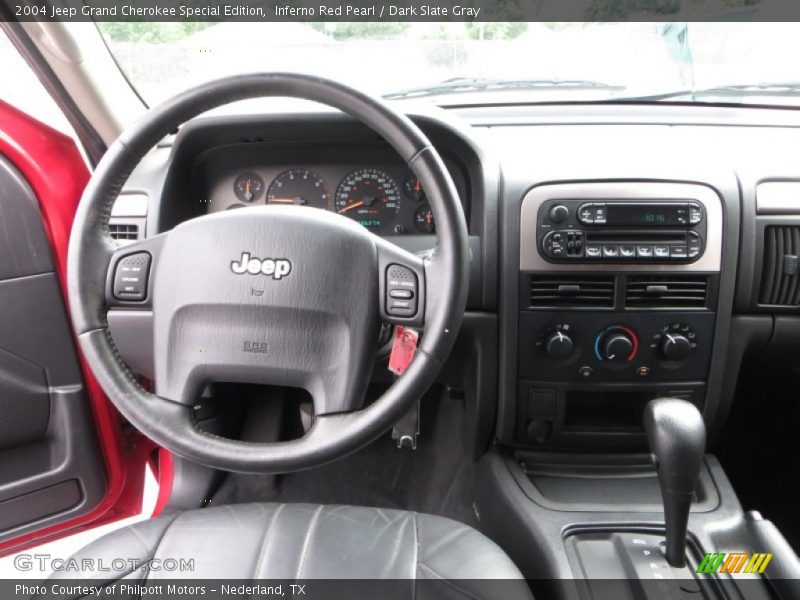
(273, 294)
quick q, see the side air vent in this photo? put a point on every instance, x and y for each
(780, 277)
(572, 291)
(666, 291)
(128, 232)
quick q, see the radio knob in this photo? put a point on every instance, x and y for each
(675, 346)
(617, 347)
(558, 345)
(559, 213)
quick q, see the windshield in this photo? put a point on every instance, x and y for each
(477, 63)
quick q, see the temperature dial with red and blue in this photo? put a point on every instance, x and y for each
(617, 344)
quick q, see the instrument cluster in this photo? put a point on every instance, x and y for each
(386, 199)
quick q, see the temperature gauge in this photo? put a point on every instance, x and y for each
(413, 189)
(423, 219)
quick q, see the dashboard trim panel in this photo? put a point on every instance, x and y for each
(530, 258)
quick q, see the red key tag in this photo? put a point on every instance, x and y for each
(403, 347)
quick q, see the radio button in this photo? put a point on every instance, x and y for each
(695, 214)
(559, 213)
(610, 251)
(599, 213)
(677, 252)
(593, 251)
(627, 250)
(661, 251)
(586, 214)
(695, 244)
(644, 251)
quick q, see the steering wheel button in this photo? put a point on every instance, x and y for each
(404, 294)
(130, 277)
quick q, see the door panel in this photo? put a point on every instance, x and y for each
(50, 464)
(63, 464)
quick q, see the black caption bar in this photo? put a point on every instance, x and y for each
(405, 11)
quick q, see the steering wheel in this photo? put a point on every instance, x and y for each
(280, 295)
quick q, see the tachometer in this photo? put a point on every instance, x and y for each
(302, 187)
(248, 187)
(370, 197)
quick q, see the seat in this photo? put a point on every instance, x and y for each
(300, 541)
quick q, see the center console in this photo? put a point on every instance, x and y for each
(614, 340)
(618, 288)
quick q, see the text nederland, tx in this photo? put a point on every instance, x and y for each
(141, 590)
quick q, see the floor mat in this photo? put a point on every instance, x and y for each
(435, 478)
(758, 448)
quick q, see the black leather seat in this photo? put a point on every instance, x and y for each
(302, 541)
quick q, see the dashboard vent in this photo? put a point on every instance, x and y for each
(572, 291)
(127, 232)
(780, 277)
(666, 291)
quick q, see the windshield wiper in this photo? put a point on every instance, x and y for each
(461, 85)
(733, 90)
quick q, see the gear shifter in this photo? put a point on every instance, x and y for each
(677, 437)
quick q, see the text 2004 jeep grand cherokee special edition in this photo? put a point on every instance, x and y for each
(396, 309)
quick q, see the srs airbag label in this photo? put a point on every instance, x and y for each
(277, 268)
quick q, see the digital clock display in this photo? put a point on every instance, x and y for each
(661, 214)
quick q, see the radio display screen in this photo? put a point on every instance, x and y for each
(648, 215)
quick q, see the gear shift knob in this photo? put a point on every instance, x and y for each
(677, 437)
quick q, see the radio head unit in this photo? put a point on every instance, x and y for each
(617, 230)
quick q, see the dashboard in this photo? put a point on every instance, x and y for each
(617, 253)
(383, 196)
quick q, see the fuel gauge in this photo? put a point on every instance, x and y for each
(248, 187)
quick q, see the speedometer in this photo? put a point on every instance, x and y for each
(370, 197)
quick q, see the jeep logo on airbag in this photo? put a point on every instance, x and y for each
(277, 268)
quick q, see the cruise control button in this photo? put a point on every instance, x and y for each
(401, 291)
(644, 251)
(610, 250)
(404, 294)
(130, 277)
(661, 251)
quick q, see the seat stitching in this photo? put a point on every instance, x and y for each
(159, 542)
(449, 582)
(306, 544)
(262, 553)
(149, 558)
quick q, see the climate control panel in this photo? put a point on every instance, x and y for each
(635, 347)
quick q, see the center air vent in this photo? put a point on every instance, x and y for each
(667, 291)
(572, 291)
(780, 277)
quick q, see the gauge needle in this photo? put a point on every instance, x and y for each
(248, 193)
(351, 206)
(297, 200)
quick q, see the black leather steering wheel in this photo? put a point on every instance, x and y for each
(278, 295)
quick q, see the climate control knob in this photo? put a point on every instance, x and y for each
(617, 347)
(558, 345)
(617, 344)
(675, 346)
